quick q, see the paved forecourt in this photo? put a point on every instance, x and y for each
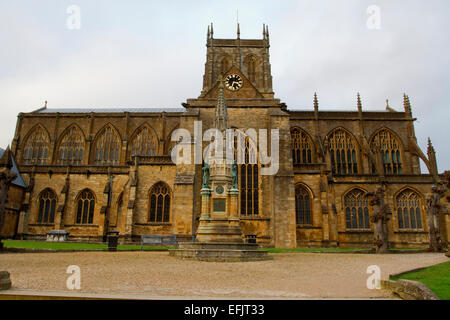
(157, 275)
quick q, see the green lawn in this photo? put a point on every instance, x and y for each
(279, 250)
(437, 278)
(73, 246)
(95, 246)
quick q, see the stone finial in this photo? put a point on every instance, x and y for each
(238, 31)
(388, 108)
(264, 31)
(316, 102)
(432, 159)
(430, 146)
(407, 105)
(359, 104)
(208, 35)
(267, 33)
(212, 31)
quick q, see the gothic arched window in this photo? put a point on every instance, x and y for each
(47, 207)
(408, 210)
(36, 148)
(71, 148)
(356, 210)
(85, 207)
(301, 147)
(248, 174)
(343, 153)
(159, 209)
(389, 147)
(107, 148)
(144, 143)
(251, 68)
(302, 206)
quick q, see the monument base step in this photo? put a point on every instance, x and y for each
(220, 252)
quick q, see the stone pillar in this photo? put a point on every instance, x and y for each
(132, 192)
(206, 205)
(234, 198)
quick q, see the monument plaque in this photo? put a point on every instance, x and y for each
(219, 205)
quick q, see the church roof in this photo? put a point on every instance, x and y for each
(109, 110)
(19, 180)
(336, 109)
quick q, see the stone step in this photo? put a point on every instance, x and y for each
(220, 255)
(218, 246)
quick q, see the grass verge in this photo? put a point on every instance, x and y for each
(436, 278)
(58, 246)
(279, 250)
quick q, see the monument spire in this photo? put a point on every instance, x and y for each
(221, 117)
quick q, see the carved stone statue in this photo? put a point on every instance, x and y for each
(205, 170)
(433, 206)
(6, 177)
(234, 175)
(379, 219)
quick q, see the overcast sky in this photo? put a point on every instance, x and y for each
(152, 54)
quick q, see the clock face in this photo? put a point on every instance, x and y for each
(219, 190)
(233, 82)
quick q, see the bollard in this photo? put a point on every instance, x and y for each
(113, 238)
(5, 280)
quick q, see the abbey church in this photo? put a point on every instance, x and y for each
(91, 171)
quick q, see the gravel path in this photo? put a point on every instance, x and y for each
(288, 276)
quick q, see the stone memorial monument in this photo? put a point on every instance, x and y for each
(219, 235)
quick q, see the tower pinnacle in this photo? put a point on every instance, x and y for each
(359, 104)
(316, 102)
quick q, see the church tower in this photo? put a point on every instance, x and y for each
(251, 57)
(266, 201)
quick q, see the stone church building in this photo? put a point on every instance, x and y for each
(90, 171)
